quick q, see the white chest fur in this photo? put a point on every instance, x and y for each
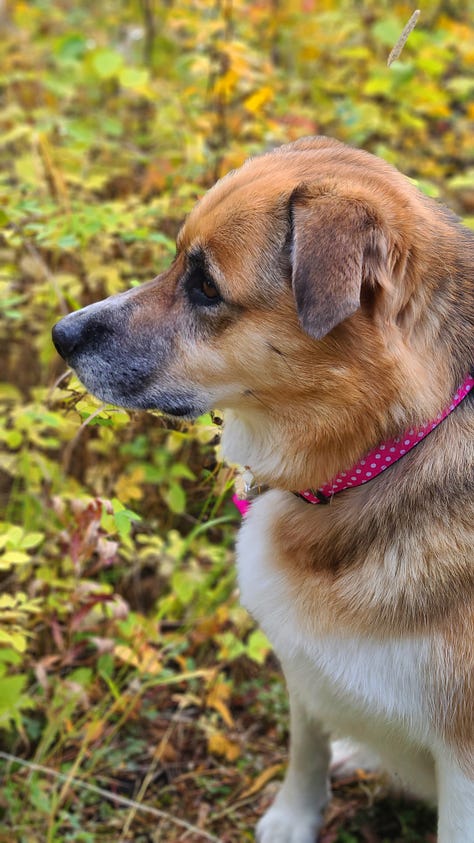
(369, 689)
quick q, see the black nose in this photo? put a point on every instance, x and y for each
(67, 335)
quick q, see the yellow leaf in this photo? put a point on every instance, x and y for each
(13, 557)
(94, 730)
(7, 601)
(217, 698)
(262, 780)
(145, 659)
(126, 654)
(128, 486)
(14, 639)
(255, 101)
(219, 744)
(225, 84)
(149, 661)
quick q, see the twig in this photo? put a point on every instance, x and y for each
(56, 383)
(403, 38)
(113, 797)
(72, 444)
(157, 756)
(53, 176)
(48, 274)
(150, 32)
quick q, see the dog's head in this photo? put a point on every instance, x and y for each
(269, 262)
(292, 286)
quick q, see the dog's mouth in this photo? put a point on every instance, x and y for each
(182, 411)
(125, 392)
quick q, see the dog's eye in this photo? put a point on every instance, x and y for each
(201, 289)
(209, 289)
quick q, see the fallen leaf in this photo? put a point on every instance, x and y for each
(262, 780)
(220, 744)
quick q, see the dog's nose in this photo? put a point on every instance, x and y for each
(67, 335)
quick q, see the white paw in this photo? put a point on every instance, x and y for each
(282, 826)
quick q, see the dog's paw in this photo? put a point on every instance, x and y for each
(280, 826)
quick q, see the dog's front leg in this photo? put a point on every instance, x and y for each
(455, 803)
(296, 814)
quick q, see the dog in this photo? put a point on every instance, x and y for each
(326, 306)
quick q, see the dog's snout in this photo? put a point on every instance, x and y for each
(80, 331)
(67, 335)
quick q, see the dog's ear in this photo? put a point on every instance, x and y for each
(336, 245)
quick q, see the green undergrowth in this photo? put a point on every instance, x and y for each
(131, 681)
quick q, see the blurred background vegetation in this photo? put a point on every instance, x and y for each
(131, 682)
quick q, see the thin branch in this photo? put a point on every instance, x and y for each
(403, 38)
(56, 383)
(72, 444)
(48, 274)
(113, 797)
(155, 761)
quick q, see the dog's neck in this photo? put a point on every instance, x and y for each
(386, 453)
(294, 453)
(285, 453)
(299, 432)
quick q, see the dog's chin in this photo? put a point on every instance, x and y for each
(178, 412)
(182, 405)
(175, 406)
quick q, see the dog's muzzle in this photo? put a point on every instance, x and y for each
(122, 362)
(113, 362)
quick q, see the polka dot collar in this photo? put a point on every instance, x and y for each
(384, 455)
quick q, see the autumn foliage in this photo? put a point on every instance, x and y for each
(130, 678)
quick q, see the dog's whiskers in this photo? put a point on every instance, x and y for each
(282, 355)
(257, 398)
(275, 349)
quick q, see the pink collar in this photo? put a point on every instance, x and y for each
(377, 460)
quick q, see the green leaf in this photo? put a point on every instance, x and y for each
(106, 63)
(13, 557)
(10, 692)
(180, 471)
(123, 518)
(13, 639)
(184, 586)
(72, 46)
(68, 241)
(258, 646)
(31, 540)
(9, 656)
(387, 31)
(13, 439)
(231, 647)
(82, 676)
(175, 497)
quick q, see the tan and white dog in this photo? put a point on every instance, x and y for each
(326, 306)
